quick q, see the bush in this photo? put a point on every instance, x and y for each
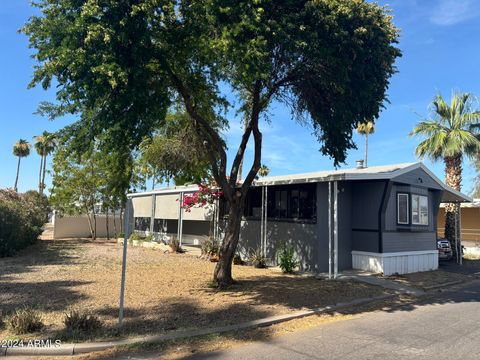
(121, 235)
(257, 259)
(286, 258)
(135, 237)
(210, 247)
(79, 324)
(148, 238)
(22, 217)
(237, 259)
(25, 321)
(175, 245)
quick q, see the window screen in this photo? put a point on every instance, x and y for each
(419, 210)
(402, 208)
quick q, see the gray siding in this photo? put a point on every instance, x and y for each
(400, 238)
(391, 211)
(418, 178)
(365, 208)
(409, 241)
(309, 240)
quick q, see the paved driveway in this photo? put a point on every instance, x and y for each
(446, 327)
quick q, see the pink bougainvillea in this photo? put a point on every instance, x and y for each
(205, 195)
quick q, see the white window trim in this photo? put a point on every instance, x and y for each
(398, 209)
(419, 212)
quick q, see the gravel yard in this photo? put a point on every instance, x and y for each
(164, 292)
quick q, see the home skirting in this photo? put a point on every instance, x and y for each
(395, 263)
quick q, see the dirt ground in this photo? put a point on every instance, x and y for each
(428, 279)
(164, 292)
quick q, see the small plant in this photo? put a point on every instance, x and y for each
(237, 260)
(79, 323)
(257, 259)
(175, 245)
(210, 247)
(121, 235)
(286, 258)
(25, 321)
(136, 237)
(148, 238)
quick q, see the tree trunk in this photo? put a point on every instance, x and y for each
(222, 275)
(107, 224)
(115, 232)
(366, 149)
(453, 178)
(40, 175)
(90, 225)
(44, 172)
(15, 187)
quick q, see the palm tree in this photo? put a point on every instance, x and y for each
(20, 149)
(263, 171)
(44, 145)
(449, 134)
(366, 129)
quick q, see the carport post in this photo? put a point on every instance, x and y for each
(329, 230)
(180, 219)
(460, 232)
(152, 217)
(335, 228)
(128, 209)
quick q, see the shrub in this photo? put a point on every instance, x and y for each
(135, 237)
(22, 217)
(80, 323)
(25, 321)
(148, 238)
(286, 258)
(257, 259)
(237, 259)
(121, 235)
(210, 247)
(175, 245)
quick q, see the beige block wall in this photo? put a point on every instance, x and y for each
(470, 223)
(77, 227)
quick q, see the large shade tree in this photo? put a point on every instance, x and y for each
(130, 61)
(449, 134)
(21, 149)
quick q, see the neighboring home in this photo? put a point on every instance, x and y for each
(469, 222)
(381, 219)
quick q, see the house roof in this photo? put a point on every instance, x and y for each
(386, 172)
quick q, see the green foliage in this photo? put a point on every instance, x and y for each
(175, 245)
(136, 237)
(257, 258)
(452, 130)
(210, 247)
(21, 148)
(80, 324)
(22, 217)
(148, 238)
(25, 321)
(286, 258)
(327, 54)
(237, 259)
(121, 235)
(175, 152)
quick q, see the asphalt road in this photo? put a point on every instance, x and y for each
(445, 327)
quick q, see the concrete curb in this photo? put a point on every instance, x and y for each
(74, 349)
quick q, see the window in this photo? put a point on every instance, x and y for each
(402, 209)
(419, 210)
(142, 224)
(289, 202)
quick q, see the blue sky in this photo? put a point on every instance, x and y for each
(439, 41)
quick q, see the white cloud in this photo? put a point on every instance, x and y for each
(450, 12)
